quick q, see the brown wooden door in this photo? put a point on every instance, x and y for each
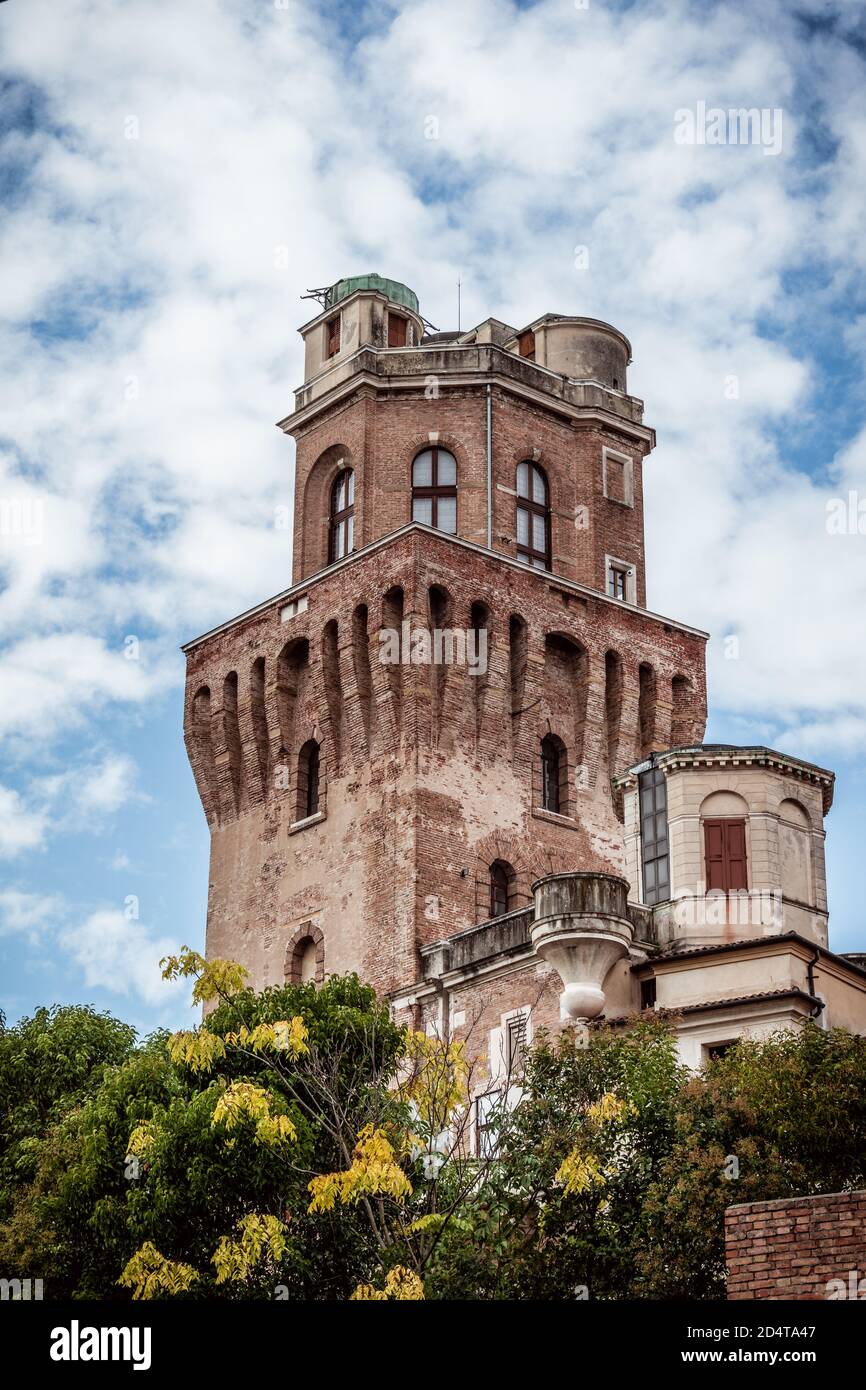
(397, 326)
(725, 854)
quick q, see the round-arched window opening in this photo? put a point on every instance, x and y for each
(307, 961)
(341, 533)
(533, 516)
(434, 489)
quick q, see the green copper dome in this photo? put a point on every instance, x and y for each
(392, 289)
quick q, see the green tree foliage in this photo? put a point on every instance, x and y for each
(285, 1149)
(92, 1205)
(48, 1064)
(614, 1172)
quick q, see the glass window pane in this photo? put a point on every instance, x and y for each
(446, 514)
(350, 543)
(522, 526)
(539, 491)
(338, 542)
(338, 493)
(446, 469)
(523, 479)
(539, 565)
(351, 496)
(422, 470)
(539, 533)
(422, 510)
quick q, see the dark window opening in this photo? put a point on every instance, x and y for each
(501, 877)
(533, 517)
(725, 855)
(309, 776)
(652, 792)
(617, 581)
(333, 338)
(551, 771)
(434, 489)
(648, 994)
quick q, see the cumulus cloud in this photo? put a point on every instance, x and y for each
(29, 914)
(20, 828)
(122, 955)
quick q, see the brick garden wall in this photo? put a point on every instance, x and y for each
(794, 1248)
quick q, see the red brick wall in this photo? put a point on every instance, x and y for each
(794, 1248)
(379, 438)
(428, 775)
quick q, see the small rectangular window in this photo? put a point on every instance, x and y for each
(617, 581)
(516, 1042)
(333, 338)
(648, 994)
(398, 328)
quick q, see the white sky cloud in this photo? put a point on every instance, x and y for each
(149, 338)
(116, 953)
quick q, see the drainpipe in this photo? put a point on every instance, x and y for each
(819, 1006)
(489, 467)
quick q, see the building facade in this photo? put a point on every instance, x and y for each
(459, 755)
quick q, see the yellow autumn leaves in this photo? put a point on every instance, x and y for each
(581, 1172)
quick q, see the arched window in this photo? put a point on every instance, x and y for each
(724, 816)
(434, 489)
(501, 878)
(551, 773)
(307, 961)
(341, 539)
(533, 517)
(305, 956)
(308, 780)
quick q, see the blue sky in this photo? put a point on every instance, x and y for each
(176, 177)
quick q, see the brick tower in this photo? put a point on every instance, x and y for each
(415, 761)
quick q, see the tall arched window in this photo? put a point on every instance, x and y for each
(341, 538)
(501, 876)
(533, 516)
(308, 780)
(551, 773)
(434, 489)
